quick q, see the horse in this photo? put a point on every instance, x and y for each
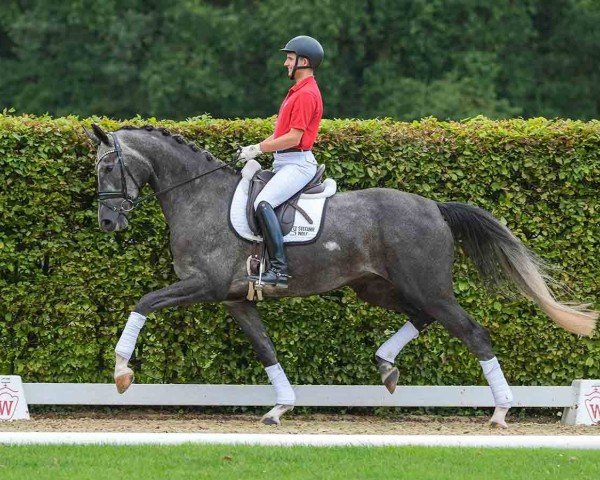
(394, 249)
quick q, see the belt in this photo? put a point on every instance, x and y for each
(290, 150)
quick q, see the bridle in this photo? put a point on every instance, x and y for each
(129, 203)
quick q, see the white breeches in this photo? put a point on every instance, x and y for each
(292, 172)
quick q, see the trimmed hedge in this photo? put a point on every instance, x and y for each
(67, 288)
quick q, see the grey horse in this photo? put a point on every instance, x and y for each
(395, 249)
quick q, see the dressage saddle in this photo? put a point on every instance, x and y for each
(286, 211)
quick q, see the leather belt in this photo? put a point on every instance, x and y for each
(290, 150)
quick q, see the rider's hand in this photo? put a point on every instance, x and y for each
(249, 153)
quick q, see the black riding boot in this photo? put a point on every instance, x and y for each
(271, 230)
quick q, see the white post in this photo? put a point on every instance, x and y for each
(586, 404)
(13, 405)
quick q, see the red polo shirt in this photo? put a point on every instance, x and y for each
(302, 109)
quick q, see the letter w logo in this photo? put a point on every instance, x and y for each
(595, 411)
(6, 408)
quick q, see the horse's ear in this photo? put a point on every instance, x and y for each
(92, 136)
(100, 135)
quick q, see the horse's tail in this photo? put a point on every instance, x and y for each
(489, 243)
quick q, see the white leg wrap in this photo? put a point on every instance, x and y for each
(283, 389)
(126, 343)
(501, 391)
(391, 348)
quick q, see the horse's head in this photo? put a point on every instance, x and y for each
(122, 171)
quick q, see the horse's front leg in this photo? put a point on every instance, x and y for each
(246, 315)
(185, 292)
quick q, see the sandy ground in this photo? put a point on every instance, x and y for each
(146, 420)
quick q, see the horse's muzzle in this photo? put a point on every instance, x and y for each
(111, 221)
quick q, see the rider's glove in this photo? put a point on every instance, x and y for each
(249, 153)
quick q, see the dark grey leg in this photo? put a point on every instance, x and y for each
(477, 339)
(385, 356)
(458, 322)
(382, 293)
(186, 292)
(246, 315)
(192, 290)
(421, 320)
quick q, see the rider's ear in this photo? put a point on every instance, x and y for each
(100, 135)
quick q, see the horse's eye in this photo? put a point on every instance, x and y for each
(109, 168)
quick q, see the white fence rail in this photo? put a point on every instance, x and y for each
(581, 400)
(307, 395)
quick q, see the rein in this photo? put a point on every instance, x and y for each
(129, 203)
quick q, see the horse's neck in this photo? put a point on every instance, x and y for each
(198, 199)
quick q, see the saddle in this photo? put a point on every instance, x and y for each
(287, 210)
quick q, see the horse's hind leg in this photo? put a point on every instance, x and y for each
(386, 354)
(477, 339)
(246, 315)
(380, 292)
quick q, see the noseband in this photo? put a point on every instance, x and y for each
(128, 202)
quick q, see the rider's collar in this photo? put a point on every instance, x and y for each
(302, 83)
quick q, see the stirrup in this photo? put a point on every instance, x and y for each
(280, 280)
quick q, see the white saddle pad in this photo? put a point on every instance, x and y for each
(302, 231)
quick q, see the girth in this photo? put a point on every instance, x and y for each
(287, 210)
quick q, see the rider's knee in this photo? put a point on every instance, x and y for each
(262, 205)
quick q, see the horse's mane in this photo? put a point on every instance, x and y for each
(181, 140)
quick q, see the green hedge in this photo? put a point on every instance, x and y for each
(67, 288)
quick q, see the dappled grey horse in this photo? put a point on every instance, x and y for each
(395, 249)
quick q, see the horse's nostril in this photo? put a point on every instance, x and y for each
(106, 223)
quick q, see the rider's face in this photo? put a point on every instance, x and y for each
(290, 61)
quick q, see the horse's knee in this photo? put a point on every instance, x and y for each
(144, 305)
(482, 334)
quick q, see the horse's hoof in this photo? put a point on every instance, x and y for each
(391, 380)
(268, 420)
(500, 424)
(272, 417)
(389, 374)
(498, 419)
(123, 381)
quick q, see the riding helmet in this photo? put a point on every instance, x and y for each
(305, 46)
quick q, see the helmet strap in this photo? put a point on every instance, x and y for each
(293, 74)
(296, 67)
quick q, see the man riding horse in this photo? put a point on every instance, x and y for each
(394, 249)
(294, 164)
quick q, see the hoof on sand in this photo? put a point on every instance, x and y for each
(271, 421)
(498, 419)
(497, 424)
(272, 417)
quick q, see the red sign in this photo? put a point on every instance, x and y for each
(8, 402)
(592, 403)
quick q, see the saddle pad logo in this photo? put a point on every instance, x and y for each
(8, 403)
(592, 404)
(300, 231)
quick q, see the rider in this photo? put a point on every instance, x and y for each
(294, 164)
